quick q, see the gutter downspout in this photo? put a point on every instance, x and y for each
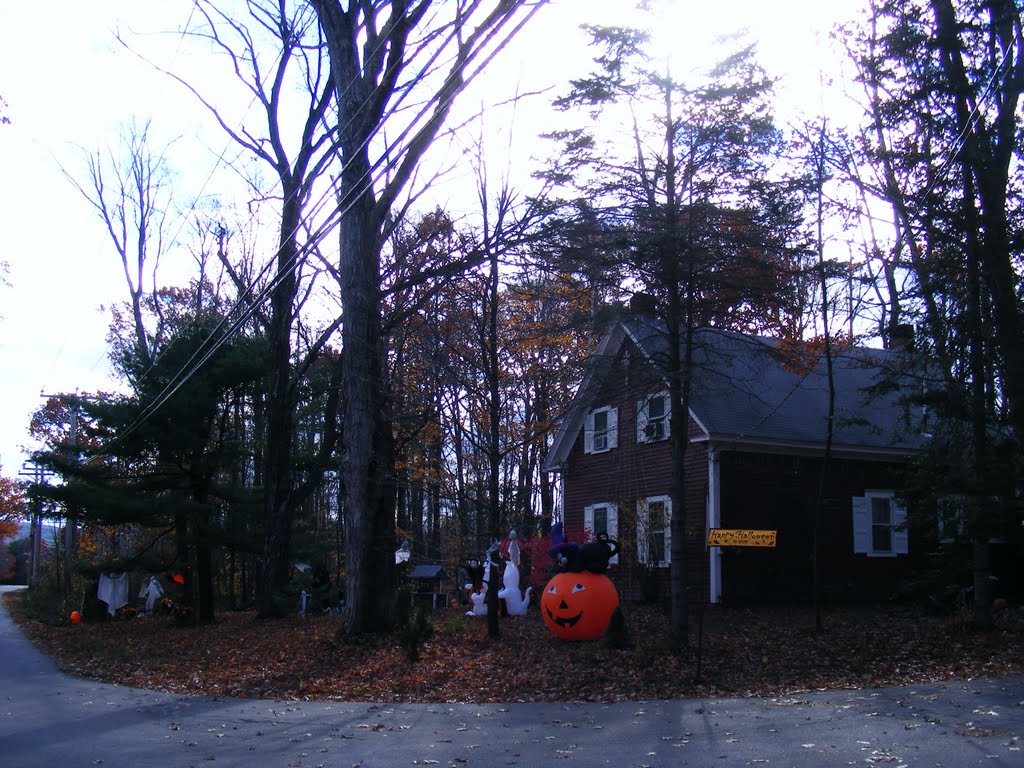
(714, 519)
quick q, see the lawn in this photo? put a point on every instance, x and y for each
(742, 652)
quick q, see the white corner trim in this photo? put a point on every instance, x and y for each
(714, 518)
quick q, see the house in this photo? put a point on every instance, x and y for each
(757, 431)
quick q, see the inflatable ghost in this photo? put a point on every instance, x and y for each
(516, 603)
(477, 587)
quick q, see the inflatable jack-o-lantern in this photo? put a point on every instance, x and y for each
(579, 606)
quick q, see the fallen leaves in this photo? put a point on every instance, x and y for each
(768, 652)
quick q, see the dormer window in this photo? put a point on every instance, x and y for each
(652, 414)
(601, 432)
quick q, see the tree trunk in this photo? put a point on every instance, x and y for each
(278, 510)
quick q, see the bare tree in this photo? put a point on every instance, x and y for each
(398, 66)
(277, 54)
(129, 187)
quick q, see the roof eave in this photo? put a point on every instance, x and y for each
(807, 448)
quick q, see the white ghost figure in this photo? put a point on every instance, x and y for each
(516, 603)
(479, 601)
(479, 597)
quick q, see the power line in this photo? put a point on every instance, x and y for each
(384, 165)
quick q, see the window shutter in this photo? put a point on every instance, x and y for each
(641, 420)
(861, 525)
(668, 415)
(613, 428)
(900, 539)
(588, 518)
(588, 433)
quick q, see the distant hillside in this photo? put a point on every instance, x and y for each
(50, 532)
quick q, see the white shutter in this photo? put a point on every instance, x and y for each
(588, 518)
(588, 433)
(900, 539)
(861, 525)
(613, 428)
(641, 420)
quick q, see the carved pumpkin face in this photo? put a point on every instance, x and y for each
(578, 606)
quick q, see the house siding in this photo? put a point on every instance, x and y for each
(633, 471)
(776, 491)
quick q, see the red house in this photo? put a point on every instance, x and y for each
(757, 432)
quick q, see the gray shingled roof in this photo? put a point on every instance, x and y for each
(746, 392)
(428, 571)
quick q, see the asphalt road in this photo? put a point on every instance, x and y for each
(49, 719)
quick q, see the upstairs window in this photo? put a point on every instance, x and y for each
(652, 418)
(879, 525)
(601, 431)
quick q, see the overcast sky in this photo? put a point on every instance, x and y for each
(69, 85)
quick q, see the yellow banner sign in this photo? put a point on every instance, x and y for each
(740, 537)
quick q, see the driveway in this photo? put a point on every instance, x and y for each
(49, 719)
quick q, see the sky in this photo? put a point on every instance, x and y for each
(69, 88)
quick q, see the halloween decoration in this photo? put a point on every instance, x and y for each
(516, 603)
(592, 556)
(76, 617)
(579, 605)
(152, 591)
(476, 588)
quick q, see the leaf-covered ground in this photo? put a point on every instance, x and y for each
(742, 653)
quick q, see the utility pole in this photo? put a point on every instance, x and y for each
(69, 522)
(39, 475)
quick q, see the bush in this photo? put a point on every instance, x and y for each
(411, 624)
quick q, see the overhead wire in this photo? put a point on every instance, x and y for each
(383, 165)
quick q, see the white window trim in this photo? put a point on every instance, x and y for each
(613, 523)
(862, 523)
(642, 410)
(611, 433)
(642, 554)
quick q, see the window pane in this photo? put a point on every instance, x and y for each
(881, 511)
(656, 546)
(601, 421)
(656, 516)
(881, 538)
(600, 520)
(656, 409)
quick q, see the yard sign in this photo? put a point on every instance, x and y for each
(740, 537)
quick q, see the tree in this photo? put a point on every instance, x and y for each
(397, 68)
(161, 459)
(296, 82)
(130, 191)
(706, 230)
(12, 507)
(943, 82)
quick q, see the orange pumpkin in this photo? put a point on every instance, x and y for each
(579, 606)
(76, 617)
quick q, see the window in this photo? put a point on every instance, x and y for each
(879, 525)
(604, 517)
(653, 531)
(601, 431)
(652, 418)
